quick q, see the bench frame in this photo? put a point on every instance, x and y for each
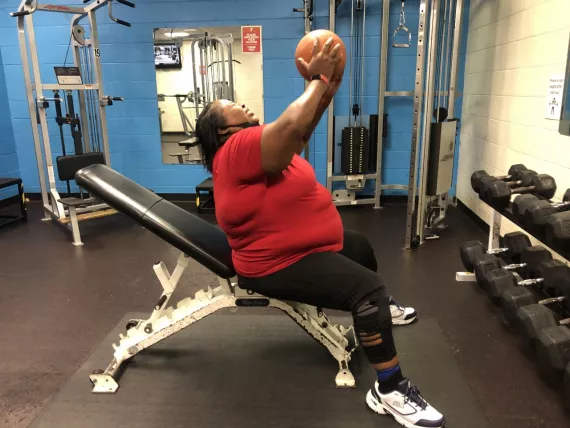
(167, 320)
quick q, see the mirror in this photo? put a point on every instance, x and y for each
(195, 66)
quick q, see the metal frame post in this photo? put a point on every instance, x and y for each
(81, 94)
(416, 126)
(99, 82)
(381, 99)
(330, 110)
(431, 63)
(495, 230)
(455, 57)
(22, 22)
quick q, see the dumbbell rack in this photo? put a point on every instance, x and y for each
(493, 242)
(550, 354)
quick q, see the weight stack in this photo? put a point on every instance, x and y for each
(355, 148)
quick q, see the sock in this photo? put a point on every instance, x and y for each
(388, 379)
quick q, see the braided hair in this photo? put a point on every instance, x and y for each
(210, 140)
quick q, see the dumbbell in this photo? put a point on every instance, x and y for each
(499, 193)
(513, 244)
(557, 231)
(479, 176)
(536, 317)
(556, 281)
(524, 179)
(500, 280)
(530, 260)
(532, 212)
(552, 338)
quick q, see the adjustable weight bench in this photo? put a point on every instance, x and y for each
(206, 244)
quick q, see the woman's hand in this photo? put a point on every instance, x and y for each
(323, 61)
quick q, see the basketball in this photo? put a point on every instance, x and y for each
(305, 48)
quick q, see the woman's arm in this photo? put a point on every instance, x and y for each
(323, 105)
(285, 137)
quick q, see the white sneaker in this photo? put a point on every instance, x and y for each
(406, 405)
(402, 315)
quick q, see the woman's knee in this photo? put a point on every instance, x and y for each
(373, 325)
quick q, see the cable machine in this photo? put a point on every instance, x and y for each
(80, 90)
(434, 127)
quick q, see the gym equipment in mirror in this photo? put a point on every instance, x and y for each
(195, 66)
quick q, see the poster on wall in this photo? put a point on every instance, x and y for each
(554, 97)
(251, 39)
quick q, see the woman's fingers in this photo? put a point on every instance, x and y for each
(327, 46)
(315, 47)
(335, 50)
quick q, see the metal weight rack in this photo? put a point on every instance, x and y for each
(88, 124)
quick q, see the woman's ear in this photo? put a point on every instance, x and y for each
(223, 131)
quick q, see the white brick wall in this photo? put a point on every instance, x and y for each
(513, 47)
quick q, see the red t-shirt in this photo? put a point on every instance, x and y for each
(271, 221)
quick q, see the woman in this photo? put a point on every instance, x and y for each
(286, 234)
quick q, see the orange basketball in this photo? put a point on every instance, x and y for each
(305, 49)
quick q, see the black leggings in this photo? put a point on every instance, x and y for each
(345, 281)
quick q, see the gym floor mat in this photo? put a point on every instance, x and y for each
(254, 371)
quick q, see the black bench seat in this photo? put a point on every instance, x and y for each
(198, 239)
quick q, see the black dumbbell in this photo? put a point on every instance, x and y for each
(552, 340)
(499, 193)
(535, 317)
(530, 262)
(556, 281)
(478, 176)
(532, 212)
(524, 180)
(513, 244)
(547, 275)
(557, 231)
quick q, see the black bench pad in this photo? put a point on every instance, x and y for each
(195, 237)
(5, 182)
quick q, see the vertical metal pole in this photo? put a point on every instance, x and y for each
(307, 151)
(99, 81)
(75, 227)
(448, 50)
(416, 126)
(82, 103)
(330, 111)
(362, 56)
(384, 46)
(352, 53)
(495, 230)
(441, 53)
(455, 57)
(195, 77)
(231, 71)
(22, 22)
(43, 119)
(430, 81)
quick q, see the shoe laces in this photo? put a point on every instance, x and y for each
(395, 303)
(413, 394)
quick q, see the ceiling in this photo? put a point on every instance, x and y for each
(163, 34)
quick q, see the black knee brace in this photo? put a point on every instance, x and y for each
(371, 317)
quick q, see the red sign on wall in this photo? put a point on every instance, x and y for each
(251, 39)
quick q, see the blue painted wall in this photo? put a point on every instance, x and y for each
(128, 69)
(8, 158)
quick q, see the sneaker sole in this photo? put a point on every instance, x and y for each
(377, 407)
(404, 322)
